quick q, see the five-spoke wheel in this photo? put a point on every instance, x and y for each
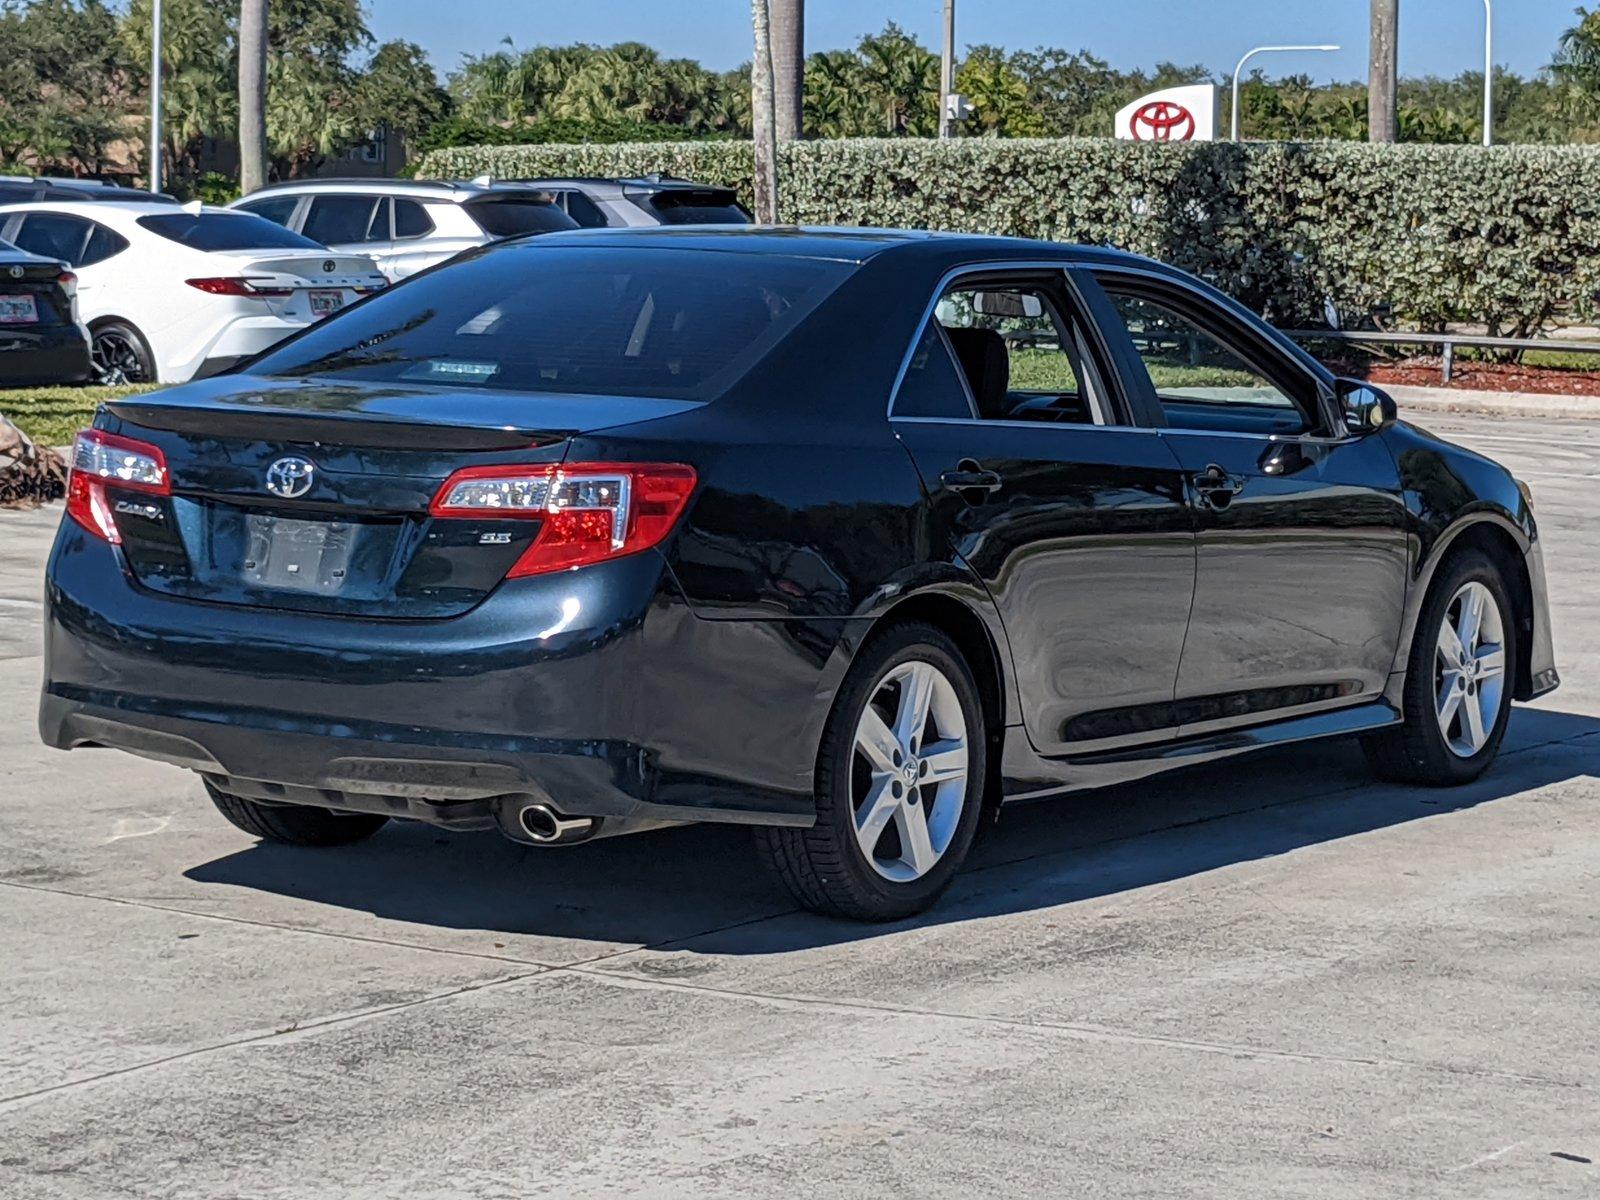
(899, 783)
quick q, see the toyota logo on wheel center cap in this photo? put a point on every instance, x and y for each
(291, 477)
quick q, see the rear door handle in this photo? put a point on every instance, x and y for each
(969, 477)
(1215, 487)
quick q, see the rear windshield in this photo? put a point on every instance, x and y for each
(539, 317)
(226, 231)
(514, 215)
(708, 206)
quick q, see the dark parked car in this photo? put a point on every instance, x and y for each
(16, 189)
(41, 341)
(847, 536)
(642, 201)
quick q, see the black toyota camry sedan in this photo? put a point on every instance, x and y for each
(848, 536)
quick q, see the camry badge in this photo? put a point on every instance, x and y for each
(291, 477)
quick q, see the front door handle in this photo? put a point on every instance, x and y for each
(1216, 488)
(971, 480)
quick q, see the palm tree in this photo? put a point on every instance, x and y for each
(252, 95)
(762, 116)
(789, 67)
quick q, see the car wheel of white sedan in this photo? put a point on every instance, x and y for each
(899, 784)
(120, 354)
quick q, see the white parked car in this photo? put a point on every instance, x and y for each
(406, 225)
(172, 293)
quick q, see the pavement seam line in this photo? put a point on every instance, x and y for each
(314, 1026)
(1077, 1030)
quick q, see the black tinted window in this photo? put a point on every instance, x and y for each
(225, 231)
(54, 236)
(932, 386)
(669, 323)
(510, 217)
(103, 243)
(411, 219)
(711, 207)
(278, 209)
(583, 210)
(332, 220)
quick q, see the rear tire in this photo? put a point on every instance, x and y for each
(1457, 699)
(885, 847)
(296, 824)
(120, 353)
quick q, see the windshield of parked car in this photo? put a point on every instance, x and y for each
(537, 317)
(513, 215)
(226, 231)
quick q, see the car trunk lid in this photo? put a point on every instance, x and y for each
(314, 496)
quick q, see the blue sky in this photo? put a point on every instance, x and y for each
(1439, 37)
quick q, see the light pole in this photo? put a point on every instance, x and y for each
(1488, 72)
(155, 96)
(1264, 50)
(947, 70)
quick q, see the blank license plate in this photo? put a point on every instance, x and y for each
(18, 310)
(325, 302)
(297, 556)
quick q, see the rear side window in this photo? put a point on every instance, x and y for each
(54, 235)
(225, 231)
(600, 320)
(582, 209)
(708, 206)
(411, 220)
(516, 215)
(932, 386)
(103, 244)
(336, 220)
(277, 209)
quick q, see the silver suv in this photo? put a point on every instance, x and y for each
(643, 200)
(406, 225)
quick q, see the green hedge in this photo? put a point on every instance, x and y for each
(1508, 236)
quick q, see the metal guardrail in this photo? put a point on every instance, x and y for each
(1449, 342)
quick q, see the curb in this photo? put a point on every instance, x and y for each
(1494, 404)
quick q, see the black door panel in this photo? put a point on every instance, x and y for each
(1301, 573)
(1084, 539)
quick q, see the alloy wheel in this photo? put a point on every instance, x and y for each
(116, 358)
(909, 771)
(1469, 669)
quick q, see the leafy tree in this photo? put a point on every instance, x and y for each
(66, 86)
(1576, 71)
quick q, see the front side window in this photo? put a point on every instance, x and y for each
(1200, 382)
(598, 320)
(225, 231)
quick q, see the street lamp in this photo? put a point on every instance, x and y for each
(155, 97)
(1265, 50)
(1488, 72)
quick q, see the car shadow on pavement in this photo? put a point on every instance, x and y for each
(701, 889)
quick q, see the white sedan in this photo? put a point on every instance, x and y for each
(174, 293)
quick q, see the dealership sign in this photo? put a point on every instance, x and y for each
(1181, 114)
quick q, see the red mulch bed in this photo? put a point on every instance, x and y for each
(1478, 376)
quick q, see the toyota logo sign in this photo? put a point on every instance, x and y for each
(291, 478)
(1162, 121)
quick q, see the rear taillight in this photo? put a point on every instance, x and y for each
(240, 285)
(101, 458)
(591, 511)
(68, 283)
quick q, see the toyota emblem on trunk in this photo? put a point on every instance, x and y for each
(291, 477)
(328, 265)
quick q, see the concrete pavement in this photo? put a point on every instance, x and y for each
(1269, 978)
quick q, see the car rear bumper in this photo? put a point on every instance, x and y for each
(53, 354)
(594, 690)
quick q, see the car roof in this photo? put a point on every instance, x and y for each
(99, 210)
(47, 187)
(847, 244)
(457, 190)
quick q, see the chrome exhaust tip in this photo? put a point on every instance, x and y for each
(545, 825)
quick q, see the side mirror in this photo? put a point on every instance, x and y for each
(1364, 408)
